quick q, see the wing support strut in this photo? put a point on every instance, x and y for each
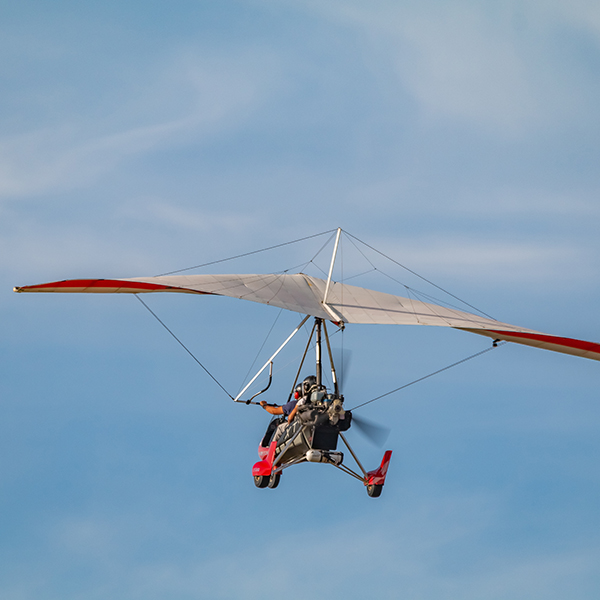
(269, 362)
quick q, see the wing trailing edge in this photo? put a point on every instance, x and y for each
(564, 345)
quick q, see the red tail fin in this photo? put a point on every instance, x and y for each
(377, 477)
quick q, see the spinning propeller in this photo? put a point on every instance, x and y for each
(376, 434)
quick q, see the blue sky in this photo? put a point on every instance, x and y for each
(460, 138)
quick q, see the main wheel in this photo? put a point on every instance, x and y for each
(374, 490)
(274, 480)
(261, 481)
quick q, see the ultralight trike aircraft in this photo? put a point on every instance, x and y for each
(316, 417)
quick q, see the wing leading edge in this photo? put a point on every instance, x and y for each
(303, 294)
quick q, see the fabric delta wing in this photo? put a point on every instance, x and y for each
(345, 303)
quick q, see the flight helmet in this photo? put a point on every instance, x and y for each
(308, 383)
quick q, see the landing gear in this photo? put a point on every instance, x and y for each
(374, 490)
(274, 480)
(261, 481)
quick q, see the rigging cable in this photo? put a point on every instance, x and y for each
(214, 262)
(431, 374)
(260, 349)
(183, 345)
(342, 327)
(417, 275)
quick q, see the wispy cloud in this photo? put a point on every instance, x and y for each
(181, 218)
(218, 93)
(443, 547)
(480, 64)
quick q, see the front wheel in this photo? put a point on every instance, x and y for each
(374, 490)
(260, 481)
(274, 480)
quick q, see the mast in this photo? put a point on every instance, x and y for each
(333, 373)
(318, 322)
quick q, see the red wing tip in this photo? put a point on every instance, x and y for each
(104, 285)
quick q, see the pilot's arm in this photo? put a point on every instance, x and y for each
(271, 409)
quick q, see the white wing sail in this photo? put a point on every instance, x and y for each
(345, 303)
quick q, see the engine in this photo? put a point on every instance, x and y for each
(325, 456)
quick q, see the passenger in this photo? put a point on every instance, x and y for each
(307, 385)
(289, 409)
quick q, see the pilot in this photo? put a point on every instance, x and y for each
(286, 409)
(290, 408)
